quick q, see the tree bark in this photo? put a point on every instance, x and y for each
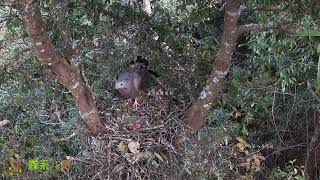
(66, 72)
(147, 7)
(312, 161)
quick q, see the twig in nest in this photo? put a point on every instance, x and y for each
(75, 133)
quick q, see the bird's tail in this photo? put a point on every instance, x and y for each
(142, 60)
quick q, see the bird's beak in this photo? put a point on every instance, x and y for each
(117, 85)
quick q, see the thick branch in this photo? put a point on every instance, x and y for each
(147, 7)
(198, 112)
(282, 25)
(58, 66)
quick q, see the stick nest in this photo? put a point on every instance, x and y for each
(137, 144)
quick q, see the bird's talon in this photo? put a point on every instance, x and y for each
(135, 105)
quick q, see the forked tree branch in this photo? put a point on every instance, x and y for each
(196, 117)
(198, 112)
(58, 65)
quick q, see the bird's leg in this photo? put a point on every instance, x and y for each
(126, 102)
(138, 101)
(136, 104)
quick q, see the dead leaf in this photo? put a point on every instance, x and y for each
(134, 147)
(118, 168)
(139, 156)
(4, 122)
(242, 145)
(121, 147)
(257, 161)
(14, 165)
(154, 163)
(261, 157)
(158, 156)
(245, 164)
(65, 165)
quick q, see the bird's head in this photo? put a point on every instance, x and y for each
(121, 84)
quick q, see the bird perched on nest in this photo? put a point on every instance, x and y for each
(135, 81)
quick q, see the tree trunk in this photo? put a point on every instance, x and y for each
(66, 72)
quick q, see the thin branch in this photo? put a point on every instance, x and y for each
(262, 7)
(282, 25)
(5, 5)
(75, 133)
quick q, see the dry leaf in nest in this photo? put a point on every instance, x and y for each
(138, 156)
(65, 165)
(14, 168)
(158, 156)
(245, 164)
(121, 147)
(242, 144)
(4, 122)
(118, 168)
(154, 163)
(134, 147)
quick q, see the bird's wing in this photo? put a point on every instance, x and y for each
(141, 80)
